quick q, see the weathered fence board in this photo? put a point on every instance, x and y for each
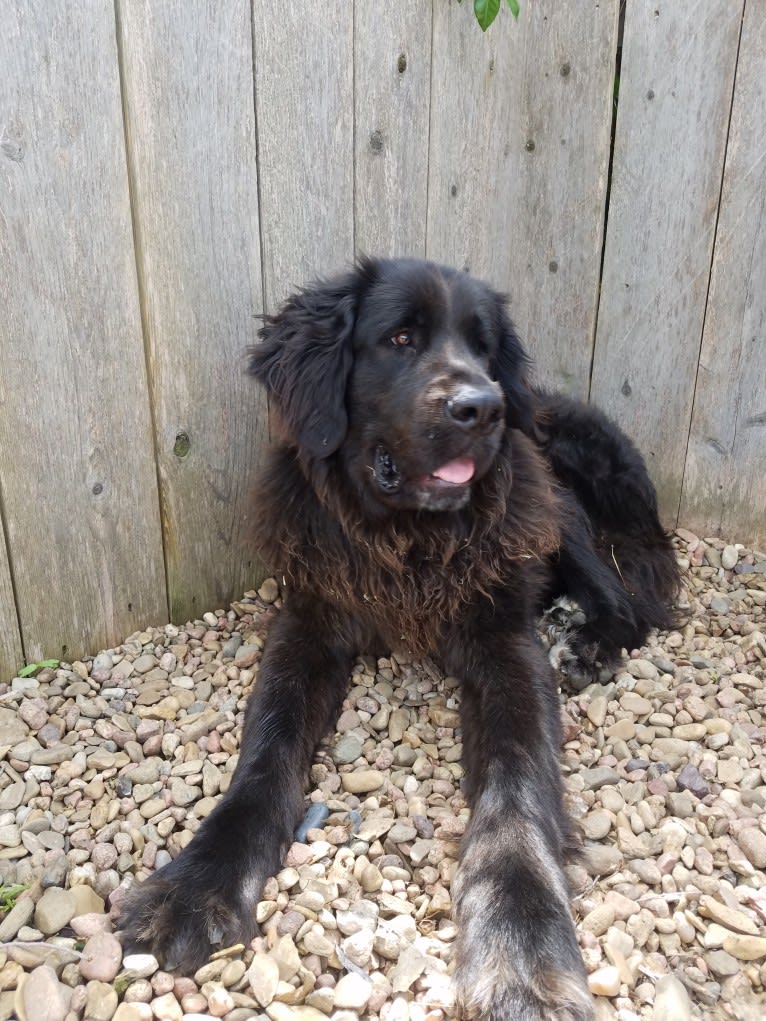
(10, 638)
(476, 128)
(169, 170)
(78, 477)
(190, 115)
(392, 80)
(675, 98)
(304, 108)
(520, 128)
(725, 478)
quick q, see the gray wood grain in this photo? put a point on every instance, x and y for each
(191, 128)
(78, 475)
(675, 98)
(11, 654)
(725, 479)
(304, 102)
(520, 131)
(266, 143)
(392, 80)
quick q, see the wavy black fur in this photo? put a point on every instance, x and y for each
(422, 493)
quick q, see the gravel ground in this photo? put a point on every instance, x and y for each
(107, 767)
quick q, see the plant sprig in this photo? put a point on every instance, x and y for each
(8, 895)
(32, 668)
(487, 10)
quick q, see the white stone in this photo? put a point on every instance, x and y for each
(671, 1001)
(263, 976)
(605, 981)
(140, 965)
(352, 992)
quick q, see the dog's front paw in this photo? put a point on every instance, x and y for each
(490, 987)
(207, 897)
(582, 663)
(517, 956)
(183, 913)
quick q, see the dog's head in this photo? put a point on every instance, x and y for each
(407, 372)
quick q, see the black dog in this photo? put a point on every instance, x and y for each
(424, 494)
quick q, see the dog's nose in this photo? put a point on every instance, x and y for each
(475, 409)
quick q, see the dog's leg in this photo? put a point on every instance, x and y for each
(207, 896)
(616, 559)
(609, 625)
(518, 958)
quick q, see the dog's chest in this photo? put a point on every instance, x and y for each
(408, 601)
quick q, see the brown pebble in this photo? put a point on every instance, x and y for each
(101, 957)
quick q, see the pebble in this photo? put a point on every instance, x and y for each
(596, 710)
(722, 964)
(753, 842)
(42, 996)
(269, 591)
(140, 965)
(101, 1002)
(371, 879)
(604, 981)
(358, 948)
(598, 777)
(729, 557)
(219, 1002)
(602, 860)
(55, 909)
(728, 917)
(599, 919)
(362, 781)
(409, 966)
(89, 925)
(101, 957)
(745, 948)
(664, 765)
(635, 704)
(347, 749)
(286, 956)
(167, 1008)
(671, 1000)
(21, 914)
(596, 825)
(283, 1012)
(690, 779)
(262, 977)
(132, 1012)
(352, 992)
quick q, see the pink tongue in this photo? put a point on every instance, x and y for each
(458, 472)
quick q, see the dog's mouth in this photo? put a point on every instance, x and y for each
(453, 475)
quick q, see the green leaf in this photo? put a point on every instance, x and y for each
(51, 664)
(514, 5)
(8, 895)
(486, 12)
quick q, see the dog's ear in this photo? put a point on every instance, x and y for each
(512, 367)
(304, 360)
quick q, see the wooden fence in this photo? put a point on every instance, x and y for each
(169, 169)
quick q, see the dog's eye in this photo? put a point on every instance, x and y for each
(401, 339)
